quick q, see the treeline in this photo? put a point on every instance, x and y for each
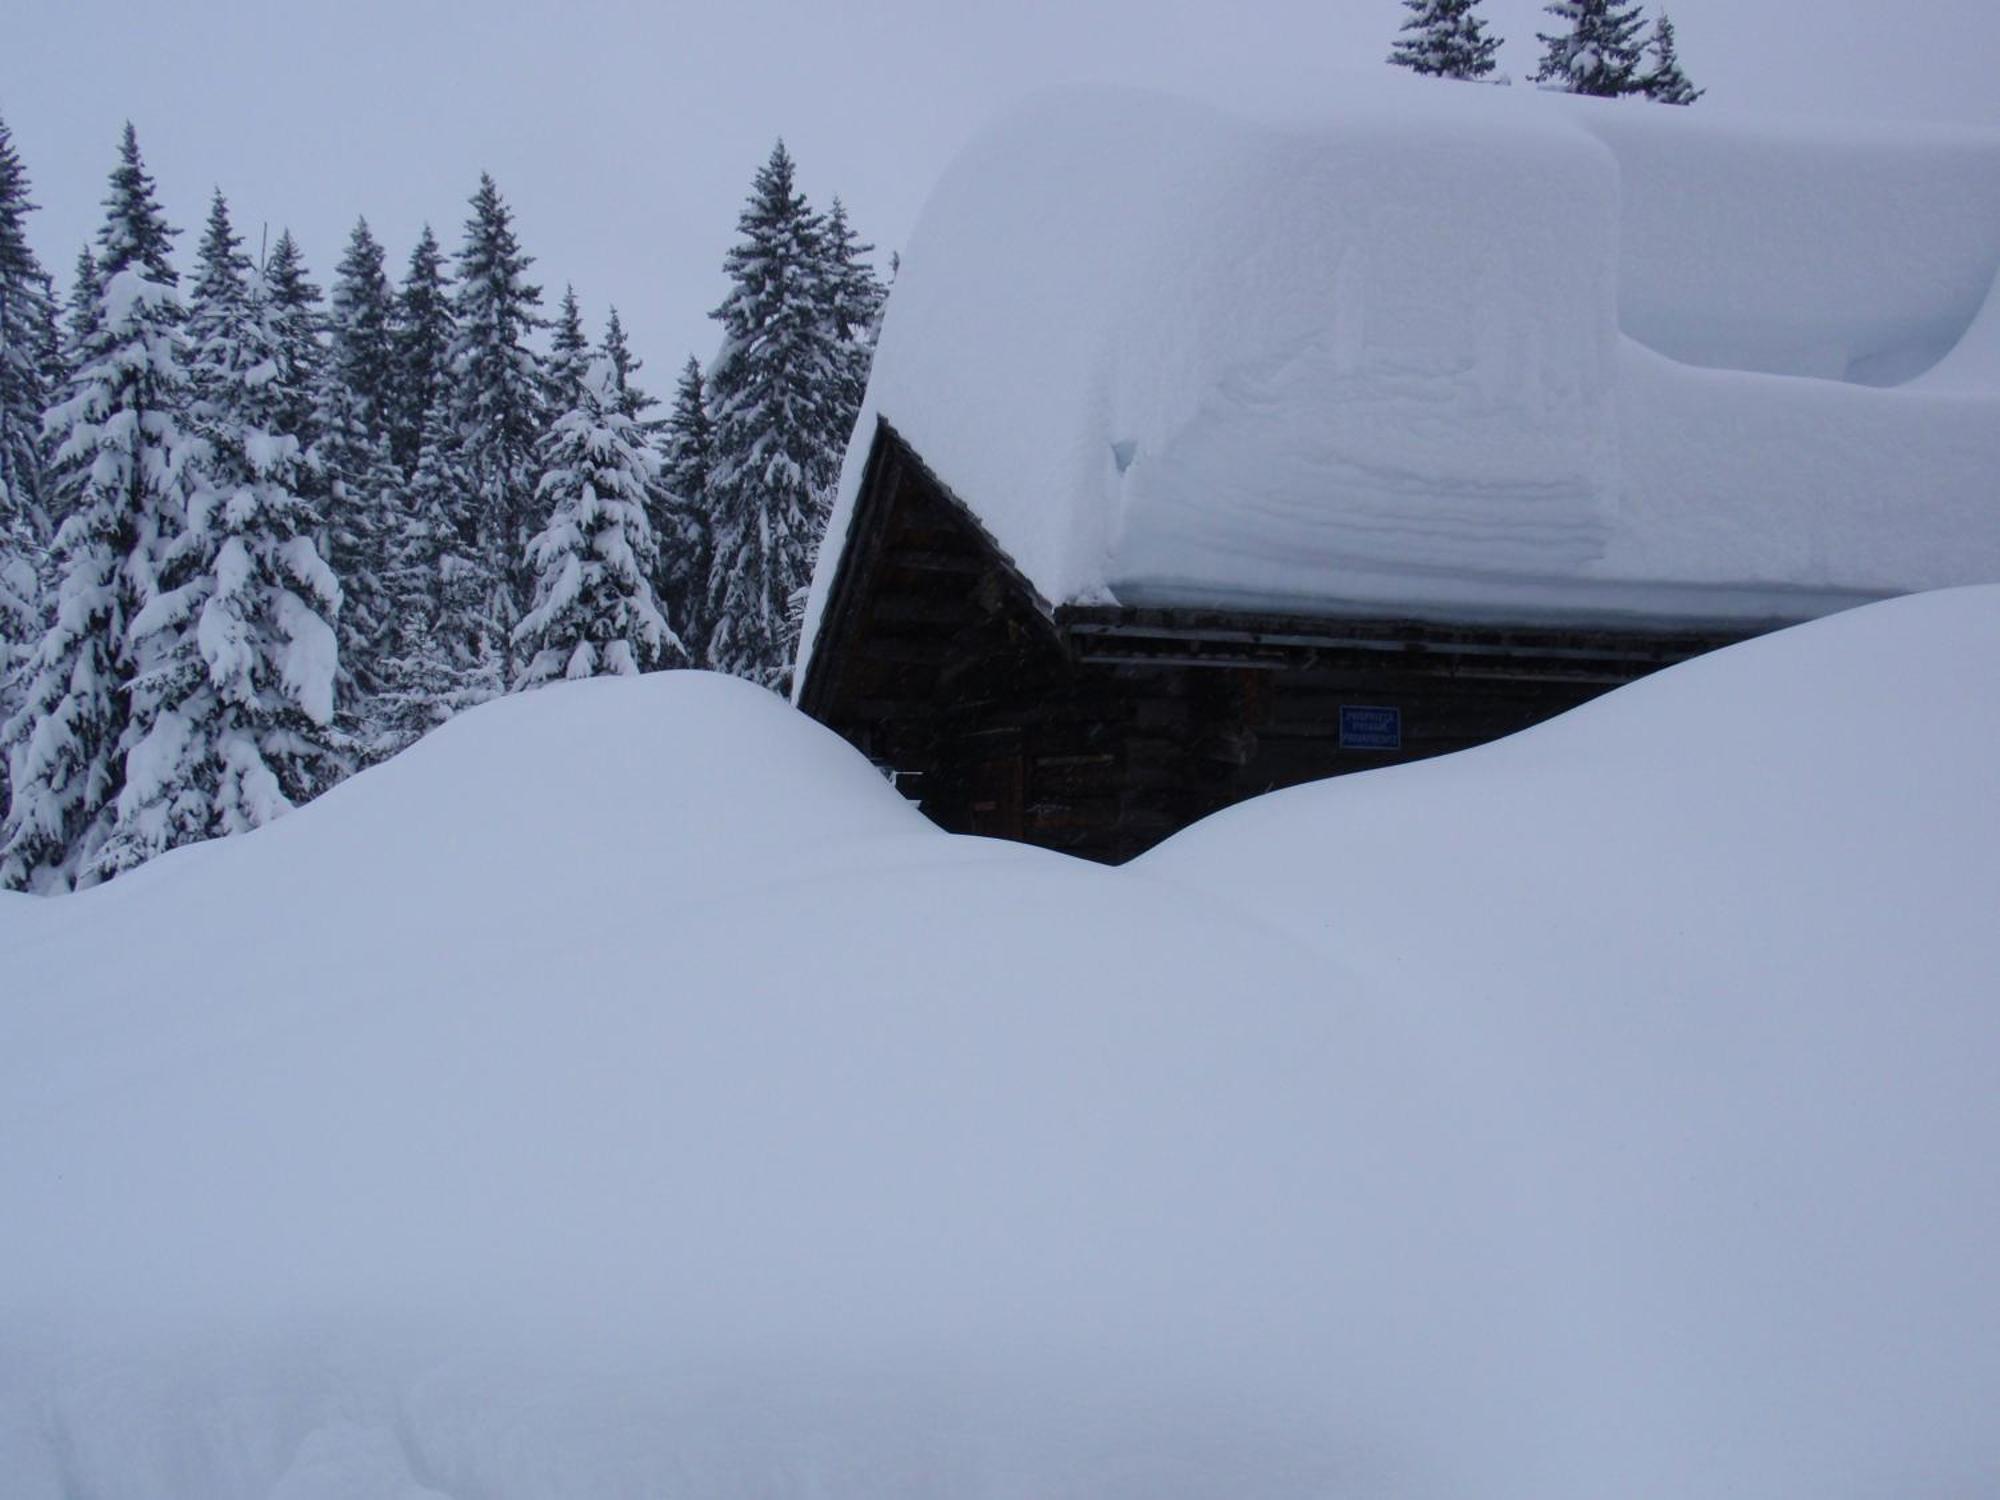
(1601, 48)
(253, 538)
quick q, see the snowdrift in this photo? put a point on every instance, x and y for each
(1735, 930)
(1458, 351)
(624, 1091)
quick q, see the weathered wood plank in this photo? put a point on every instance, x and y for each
(914, 559)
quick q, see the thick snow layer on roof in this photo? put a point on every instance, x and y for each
(1456, 348)
(624, 1093)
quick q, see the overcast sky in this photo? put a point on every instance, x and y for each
(624, 132)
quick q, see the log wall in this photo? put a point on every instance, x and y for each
(1100, 731)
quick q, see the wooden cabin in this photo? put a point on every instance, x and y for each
(1100, 730)
(1205, 454)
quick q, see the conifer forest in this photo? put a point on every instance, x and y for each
(256, 533)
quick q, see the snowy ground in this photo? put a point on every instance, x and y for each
(624, 1093)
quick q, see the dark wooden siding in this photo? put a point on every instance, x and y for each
(1101, 730)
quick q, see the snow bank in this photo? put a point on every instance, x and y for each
(1733, 929)
(625, 1092)
(626, 1082)
(1404, 355)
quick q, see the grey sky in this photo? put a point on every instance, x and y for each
(624, 133)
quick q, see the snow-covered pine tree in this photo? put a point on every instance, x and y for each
(55, 359)
(632, 400)
(569, 356)
(80, 308)
(497, 403)
(122, 451)
(1445, 39)
(232, 717)
(27, 317)
(272, 609)
(171, 800)
(220, 275)
(1664, 79)
(855, 297)
(27, 323)
(661, 505)
(299, 317)
(360, 325)
(423, 338)
(595, 613)
(684, 522)
(79, 320)
(1598, 53)
(439, 657)
(776, 401)
(23, 619)
(363, 490)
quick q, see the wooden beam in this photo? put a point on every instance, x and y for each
(904, 609)
(933, 560)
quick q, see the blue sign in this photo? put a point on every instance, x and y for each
(1368, 728)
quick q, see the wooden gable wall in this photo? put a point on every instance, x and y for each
(1100, 731)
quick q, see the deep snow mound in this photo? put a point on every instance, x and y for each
(632, 1041)
(606, 791)
(1736, 928)
(1608, 1110)
(613, 771)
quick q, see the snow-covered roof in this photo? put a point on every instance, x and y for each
(1456, 350)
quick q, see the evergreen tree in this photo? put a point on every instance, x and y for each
(122, 446)
(1445, 39)
(497, 407)
(595, 613)
(423, 337)
(27, 319)
(80, 313)
(776, 390)
(363, 488)
(298, 315)
(855, 298)
(23, 619)
(232, 715)
(1665, 81)
(360, 325)
(683, 522)
(1598, 54)
(439, 657)
(221, 274)
(166, 798)
(78, 323)
(569, 355)
(632, 401)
